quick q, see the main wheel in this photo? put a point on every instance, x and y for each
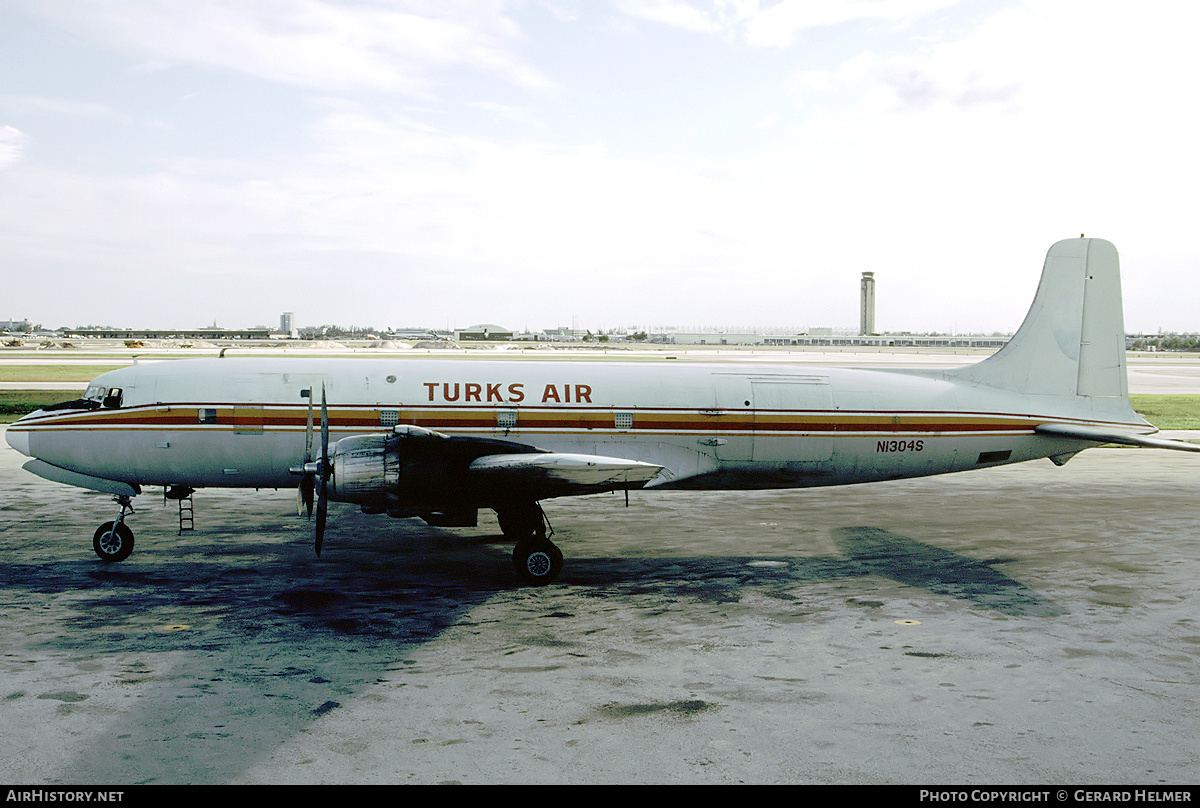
(113, 543)
(537, 561)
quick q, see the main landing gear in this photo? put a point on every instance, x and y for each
(537, 560)
(114, 540)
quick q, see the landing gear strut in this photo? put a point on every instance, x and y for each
(113, 541)
(537, 560)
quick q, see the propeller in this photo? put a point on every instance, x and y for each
(315, 473)
(304, 493)
(323, 478)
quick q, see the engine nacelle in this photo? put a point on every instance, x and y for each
(413, 468)
(365, 469)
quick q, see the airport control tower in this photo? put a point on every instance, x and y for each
(867, 309)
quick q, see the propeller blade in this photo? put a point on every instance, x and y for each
(322, 503)
(304, 491)
(324, 430)
(308, 430)
(321, 507)
(304, 496)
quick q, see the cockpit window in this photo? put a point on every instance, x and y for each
(94, 396)
(92, 399)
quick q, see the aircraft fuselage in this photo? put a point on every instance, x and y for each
(233, 422)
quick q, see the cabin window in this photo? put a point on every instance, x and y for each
(113, 399)
(206, 415)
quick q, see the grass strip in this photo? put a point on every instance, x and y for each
(54, 373)
(15, 403)
(1169, 411)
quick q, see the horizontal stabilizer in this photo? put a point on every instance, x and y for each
(1109, 435)
(584, 471)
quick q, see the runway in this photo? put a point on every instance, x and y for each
(1023, 625)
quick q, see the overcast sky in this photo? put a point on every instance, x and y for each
(598, 163)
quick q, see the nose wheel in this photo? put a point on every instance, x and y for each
(113, 541)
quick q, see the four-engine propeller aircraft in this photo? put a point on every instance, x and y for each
(440, 439)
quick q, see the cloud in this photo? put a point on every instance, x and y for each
(781, 24)
(30, 105)
(723, 17)
(309, 43)
(777, 25)
(945, 157)
(12, 146)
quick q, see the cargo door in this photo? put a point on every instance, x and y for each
(730, 422)
(791, 418)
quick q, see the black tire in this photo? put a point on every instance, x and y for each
(537, 561)
(113, 545)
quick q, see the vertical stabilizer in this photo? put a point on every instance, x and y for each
(1072, 342)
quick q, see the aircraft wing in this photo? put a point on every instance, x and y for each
(548, 474)
(1109, 435)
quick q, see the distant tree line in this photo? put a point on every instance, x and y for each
(1167, 342)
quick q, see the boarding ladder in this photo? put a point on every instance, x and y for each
(184, 496)
(186, 522)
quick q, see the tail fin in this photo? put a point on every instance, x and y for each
(1071, 348)
(1072, 342)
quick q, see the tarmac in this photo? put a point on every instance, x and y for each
(1025, 624)
(1021, 625)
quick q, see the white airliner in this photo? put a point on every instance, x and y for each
(441, 438)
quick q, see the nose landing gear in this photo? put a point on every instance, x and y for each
(113, 541)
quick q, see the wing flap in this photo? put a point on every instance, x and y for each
(1109, 435)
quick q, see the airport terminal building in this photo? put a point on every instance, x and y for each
(838, 340)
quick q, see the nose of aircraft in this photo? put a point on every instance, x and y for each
(18, 438)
